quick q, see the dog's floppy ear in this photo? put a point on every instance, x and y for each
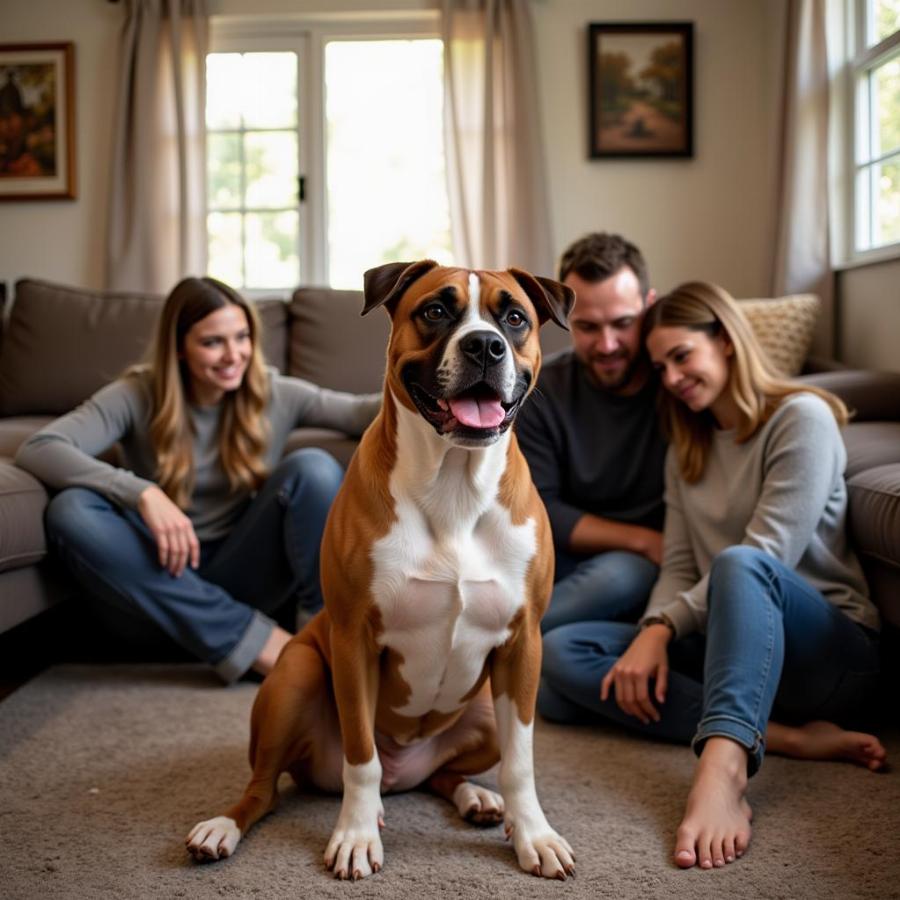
(385, 285)
(551, 299)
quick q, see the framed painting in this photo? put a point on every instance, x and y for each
(641, 84)
(37, 121)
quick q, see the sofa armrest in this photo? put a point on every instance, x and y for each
(815, 364)
(339, 445)
(870, 396)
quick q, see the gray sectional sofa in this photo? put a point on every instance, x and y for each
(60, 344)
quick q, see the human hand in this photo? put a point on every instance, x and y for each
(645, 658)
(651, 545)
(171, 529)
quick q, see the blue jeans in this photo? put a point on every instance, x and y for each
(612, 586)
(216, 612)
(772, 642)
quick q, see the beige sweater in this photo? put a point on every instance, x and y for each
(782, 491)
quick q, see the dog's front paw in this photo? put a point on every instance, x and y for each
(543, 853)
(354, 852)
(213, 839)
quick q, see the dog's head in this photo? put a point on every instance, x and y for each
(464, 349)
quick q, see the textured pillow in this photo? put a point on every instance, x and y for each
(784, 328)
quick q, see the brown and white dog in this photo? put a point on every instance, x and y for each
(437, 565)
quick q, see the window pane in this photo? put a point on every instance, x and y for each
(887, 211)
(223, 81)
(885, 18)
(387, 195)
(223, 160)
(224, 243)
(862, 197)
(271, 159)
(268, 90)
(886, 87)
(272, 252)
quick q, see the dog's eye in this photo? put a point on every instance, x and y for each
(515, 318)
(434, 312)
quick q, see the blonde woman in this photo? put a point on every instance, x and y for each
(760, 608)
(204, 529)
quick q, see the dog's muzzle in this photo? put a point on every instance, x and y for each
(477, 406)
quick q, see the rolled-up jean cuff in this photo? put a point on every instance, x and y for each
(232, 666)
(740, 732)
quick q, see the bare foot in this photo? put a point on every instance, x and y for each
(825, 740)
(716, 825)
(268, 656)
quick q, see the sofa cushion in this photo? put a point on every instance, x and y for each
(336, 443)
(875, 511)
(62, 343)
(871, 444)
(327, 330)
(784, 327)
(874, 517)
(332, 345)
(870, 396)
(22, 503)
(3, 304)
(273, 316)
(14, 430)
(30, 590)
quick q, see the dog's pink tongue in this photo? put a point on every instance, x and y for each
(477, 413)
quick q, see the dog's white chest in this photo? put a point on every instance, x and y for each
(447, 599)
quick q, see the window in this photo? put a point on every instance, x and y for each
(324, 154)
(876, 78)
(387, 193)
(252, 221)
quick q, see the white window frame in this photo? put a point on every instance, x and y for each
(851, 63)
(307, 36)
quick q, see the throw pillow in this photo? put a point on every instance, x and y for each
(784, 327)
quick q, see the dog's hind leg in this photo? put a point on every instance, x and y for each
(475, 737)
(476, 804)
(290, 703)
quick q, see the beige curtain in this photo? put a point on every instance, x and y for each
(802, 261)
(156, 232)
(495, 162)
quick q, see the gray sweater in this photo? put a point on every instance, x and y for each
(62, 454)
(782, 491)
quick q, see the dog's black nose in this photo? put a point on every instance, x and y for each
(486, 348)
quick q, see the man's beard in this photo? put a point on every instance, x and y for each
(614, 381)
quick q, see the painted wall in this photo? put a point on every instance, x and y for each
(708, 217)
(869, 317)
(62, 240)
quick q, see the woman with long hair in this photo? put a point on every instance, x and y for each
(204, 530)
(761, 608)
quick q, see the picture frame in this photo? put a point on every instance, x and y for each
(37, 121)
(641, 84)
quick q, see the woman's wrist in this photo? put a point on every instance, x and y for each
(659, 624)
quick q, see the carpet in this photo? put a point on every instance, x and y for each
(104, 769)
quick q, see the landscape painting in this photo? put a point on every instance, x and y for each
(37, 150)
(641, 85)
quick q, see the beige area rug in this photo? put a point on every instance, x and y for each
(104, 769)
